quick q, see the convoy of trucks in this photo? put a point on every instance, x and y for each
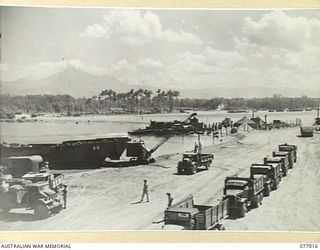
(240, 194)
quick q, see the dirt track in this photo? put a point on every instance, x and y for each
(106, 199)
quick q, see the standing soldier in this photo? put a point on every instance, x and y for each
(64, 193)
(145, 191)
(170, 200)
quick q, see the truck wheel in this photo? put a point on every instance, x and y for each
(261, 198)
(243, 211)
(41, 211)
(255, 202)
(267, 191)
(285, 172)
(194, 170)
(221, 227)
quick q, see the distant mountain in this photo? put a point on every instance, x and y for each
(72, 81)
(79, 83)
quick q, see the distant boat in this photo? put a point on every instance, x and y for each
(238, 111)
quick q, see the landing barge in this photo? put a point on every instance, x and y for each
(75, 154)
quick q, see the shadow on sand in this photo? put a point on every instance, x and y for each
(13, 217)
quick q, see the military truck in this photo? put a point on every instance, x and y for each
(285, 155)
(32, 168)
(292, 149)
(242, 193)
(280, 160)
(40, 189)
(271, 174)
(17, 166)
(193, 161)
(306, 131)
(189, 216)
(38, 196)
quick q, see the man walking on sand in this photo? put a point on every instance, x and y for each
(170, 200)
(145, 190)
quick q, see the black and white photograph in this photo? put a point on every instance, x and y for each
(159, 119)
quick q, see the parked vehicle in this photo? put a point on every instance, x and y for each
(271, 174)
(38, 196)
(292, 149)
(196, 217)
(243, 193)
(285, 155)
(280, 160)
(41, 189)
(306, 131)
(193, 161)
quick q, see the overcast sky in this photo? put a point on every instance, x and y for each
(166, 48)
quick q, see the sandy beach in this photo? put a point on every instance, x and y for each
(107, 199)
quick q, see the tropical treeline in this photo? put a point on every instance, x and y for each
(143, 101)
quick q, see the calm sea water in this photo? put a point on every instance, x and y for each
(58, 129)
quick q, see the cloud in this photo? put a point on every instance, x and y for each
(135, 27)
(96, 30)
(277, 29)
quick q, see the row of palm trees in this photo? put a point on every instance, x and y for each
(136, 100)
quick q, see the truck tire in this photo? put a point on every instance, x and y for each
(276, 184)
(221, 227)
(267, 191)
(194, 170)
(243, 210)
(261, 198)
(255, 202)
(285, 172)
(41, 211)
(207, 165)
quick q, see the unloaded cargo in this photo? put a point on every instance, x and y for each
(271, 174)
(243, 193)
(196, 217)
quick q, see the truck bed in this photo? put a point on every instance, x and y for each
(210, 216)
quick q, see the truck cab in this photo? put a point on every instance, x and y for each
(17, 166)
(243, 193)
(271, 174)
(182, 216)
(192, 161)
(189, 163)
(283, 154)
(291, 149)
(284, 166)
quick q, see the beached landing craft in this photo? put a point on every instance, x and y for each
(76, 154)
(188, 126)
